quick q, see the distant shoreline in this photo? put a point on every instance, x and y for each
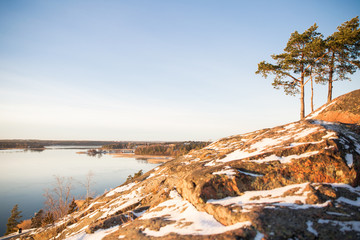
(149, 158)
(22, 148)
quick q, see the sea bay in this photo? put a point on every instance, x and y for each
(24, 175)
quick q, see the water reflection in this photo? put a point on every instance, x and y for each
(34, 149)
(142, 160)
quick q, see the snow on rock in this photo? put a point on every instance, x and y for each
(251, 174)
(355, 203)
(338, 214)
(122, 203)
(345, 226)
(238, 155)
(259, 236)
(317, 112)
(289, 126)
(99, 234)
(258, 145)
(121, 189)
(340, 128)
(355, 190)
(310, 228)
(286, 159)
(349, 159)
(156, 172)
(188, 220)
(275, 197)
(227, 172)
(265, 143)
(209, 164)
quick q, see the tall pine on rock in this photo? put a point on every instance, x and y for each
(294, 64)
(13, 220)
(342, 50)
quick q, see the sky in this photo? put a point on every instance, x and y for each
(151, 70)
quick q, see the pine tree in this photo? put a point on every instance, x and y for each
(294, 64)
(36, 221)
(13, 220)
(73, 207)
(342, 51)
(48, 218)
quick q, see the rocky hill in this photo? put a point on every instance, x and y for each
(296, 181)
(344, 109)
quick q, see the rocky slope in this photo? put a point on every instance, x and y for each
(297, 181)
(344, 109)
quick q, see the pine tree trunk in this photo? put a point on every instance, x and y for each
(330, 86)
(312, 95)
(302, 96)
(302, 102)
(331, 73)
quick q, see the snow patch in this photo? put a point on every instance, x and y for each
(348, 201)
(251, 174)
(274, 197)
(348, 187)
(139, 214)
(122, 202)
(259, 236)
(345, 226)
(99, 234)
(238, 155)
(349, 159)
(227, 172)
(268, 144)
(305, 132)
(188, 220)
(316, 113)
(209, 164)
(330, 135)
(290, 126)
(285, 159)
(338, 214)
(120, 189)
(310, 228)
(265, 143)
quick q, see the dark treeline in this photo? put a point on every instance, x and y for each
(170, 149)
(22, 143)
(125, 145)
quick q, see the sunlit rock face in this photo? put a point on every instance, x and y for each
(344, 109)
(296, 181)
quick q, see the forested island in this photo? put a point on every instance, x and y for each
(154, 148)
(173, 149)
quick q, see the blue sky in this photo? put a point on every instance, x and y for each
(151, 70)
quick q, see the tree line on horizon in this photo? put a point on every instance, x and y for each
(173, 149)
(308, 56)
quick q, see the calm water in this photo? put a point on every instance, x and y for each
(24, 175)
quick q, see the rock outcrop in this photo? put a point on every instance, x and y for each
(344, 109)
(297, 181)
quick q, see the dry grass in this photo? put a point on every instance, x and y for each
(26, 224)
